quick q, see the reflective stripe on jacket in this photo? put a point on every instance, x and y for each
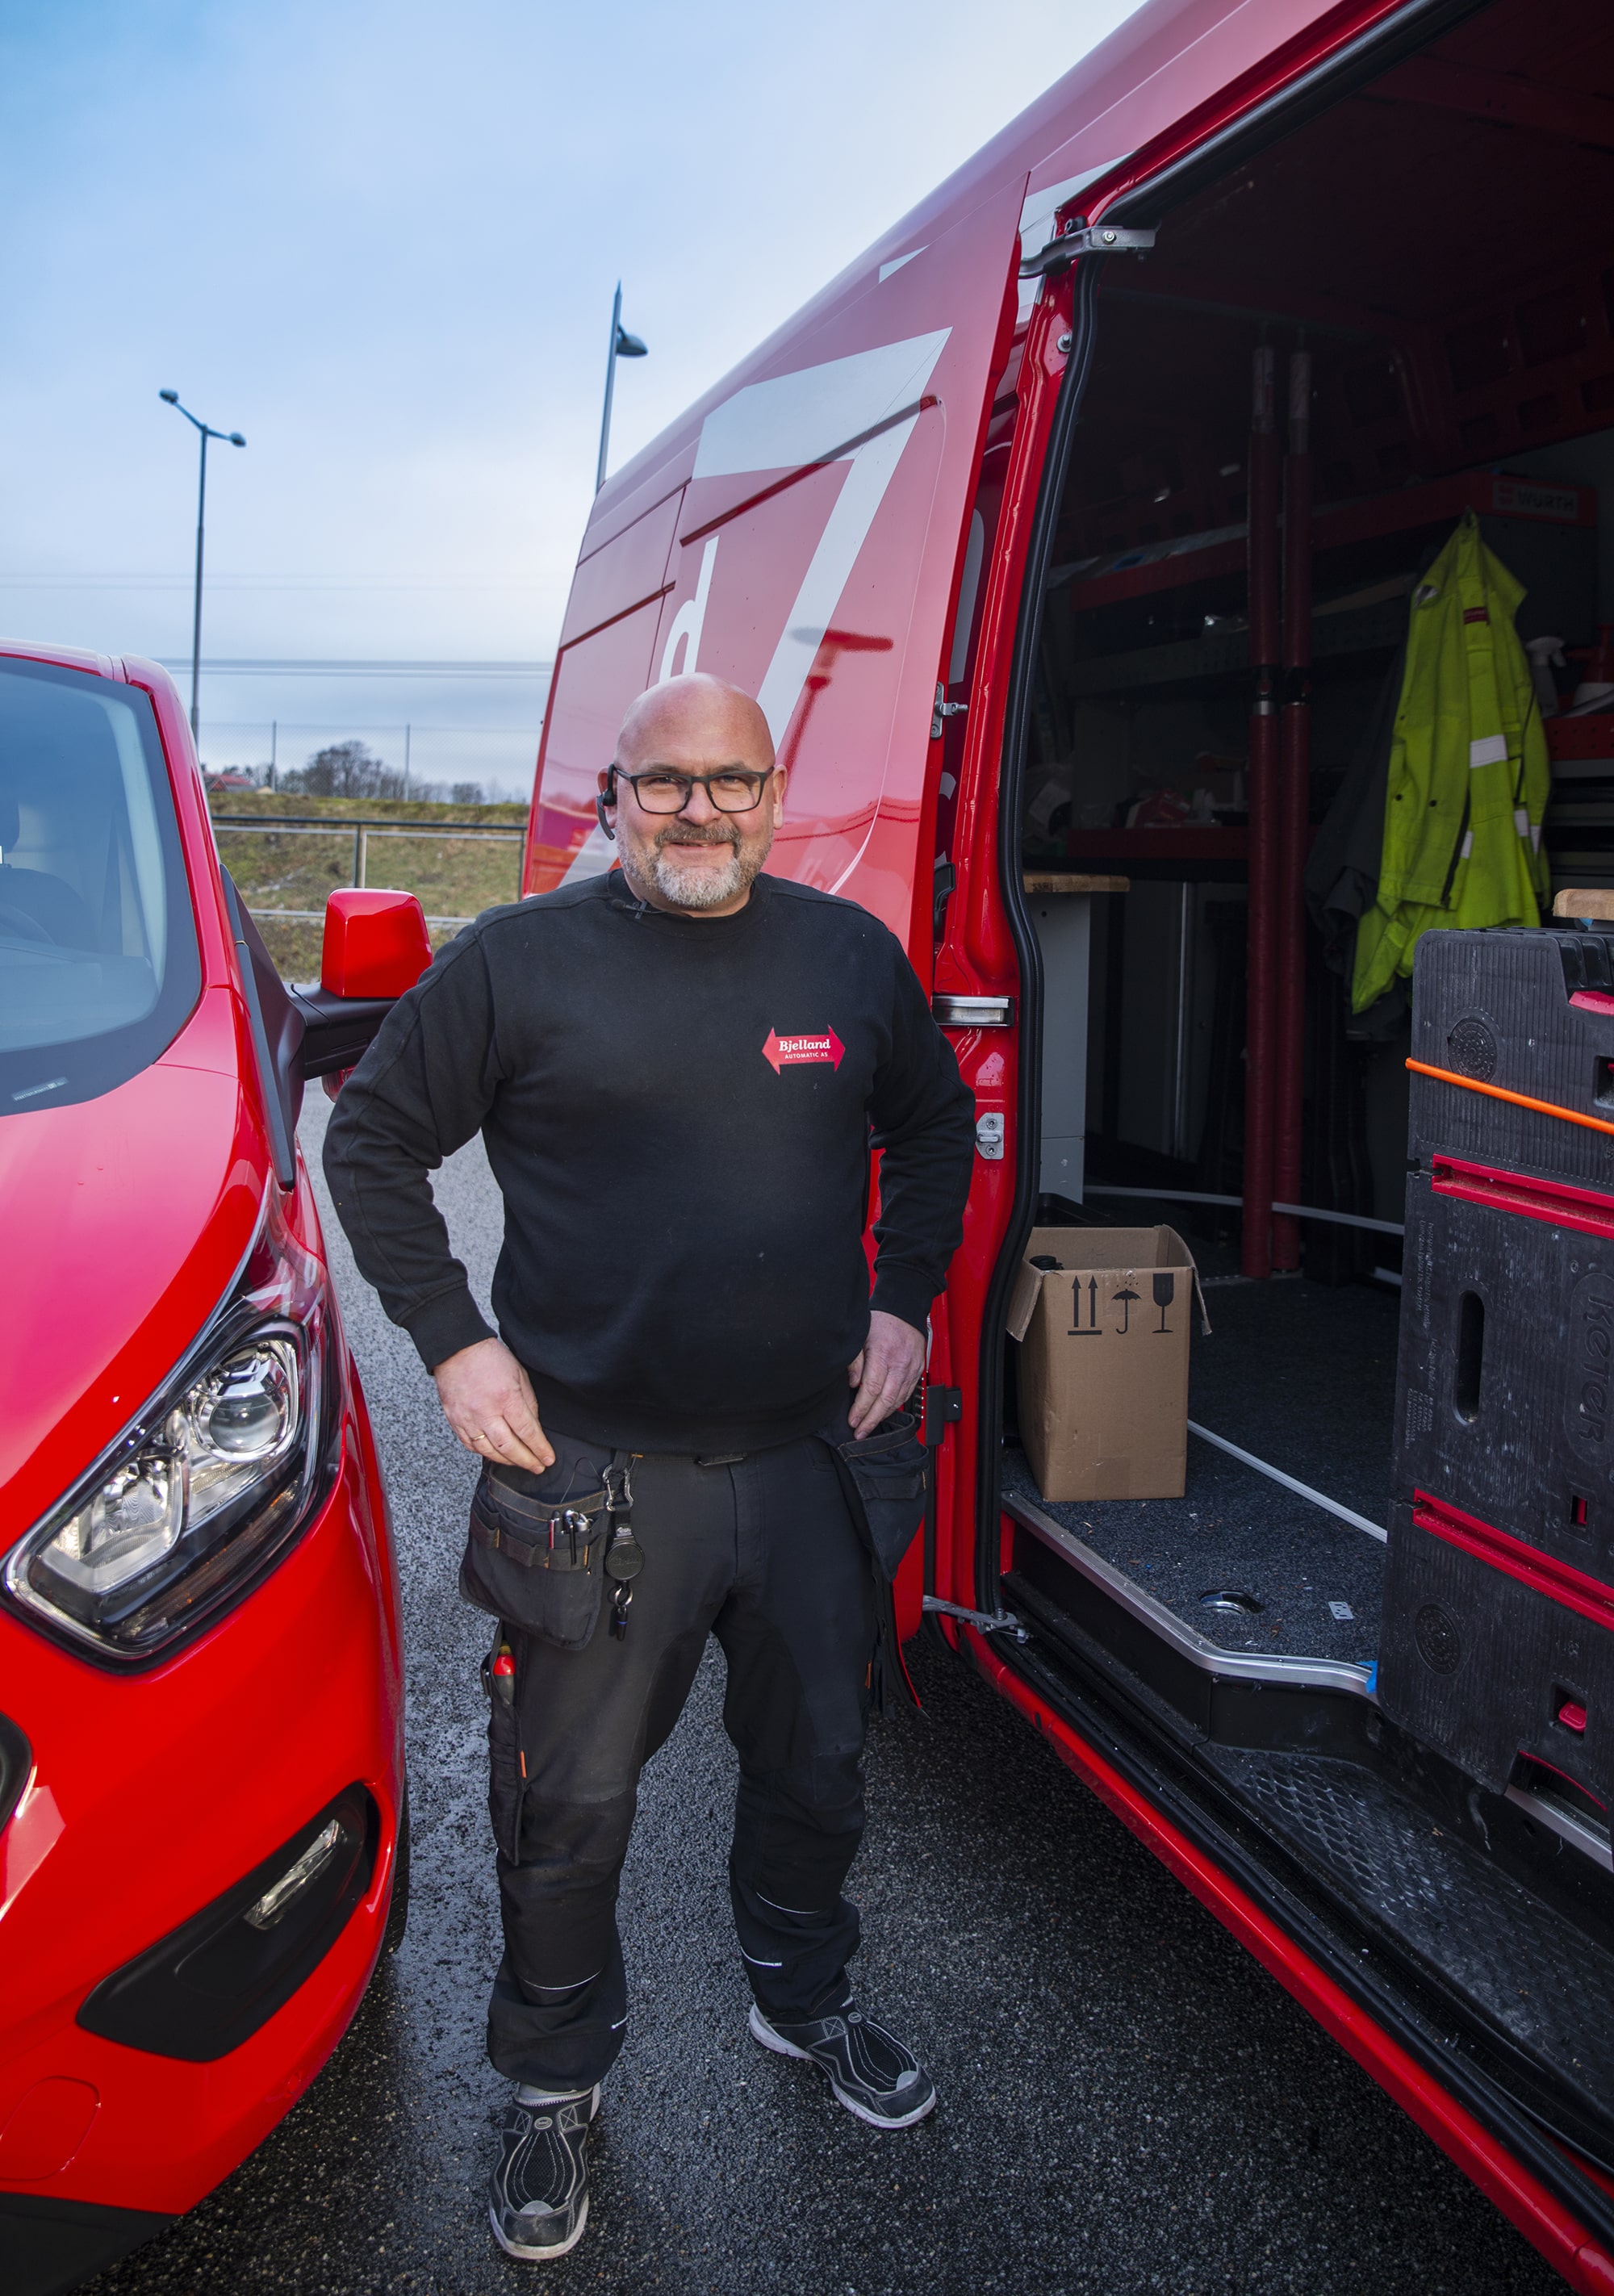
(1468, 775)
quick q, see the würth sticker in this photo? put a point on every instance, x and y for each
(790, 1052)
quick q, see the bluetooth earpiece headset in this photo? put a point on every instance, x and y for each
(608, 796)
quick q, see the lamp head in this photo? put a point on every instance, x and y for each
(236, 440)
(629, 346)
(171, 398)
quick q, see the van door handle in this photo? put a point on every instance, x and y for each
(973, 1012)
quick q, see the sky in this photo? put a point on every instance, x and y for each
(382, 242)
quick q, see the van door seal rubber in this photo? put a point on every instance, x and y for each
(1372, 51)
(1017, 726)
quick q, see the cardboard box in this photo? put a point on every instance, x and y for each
(1104, 1361)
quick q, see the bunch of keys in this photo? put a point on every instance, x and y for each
(623, 1555)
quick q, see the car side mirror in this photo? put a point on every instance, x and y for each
(376, 943)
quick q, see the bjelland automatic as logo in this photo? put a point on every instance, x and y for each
(791, 1052)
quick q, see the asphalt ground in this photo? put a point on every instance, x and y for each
(1128, 2103)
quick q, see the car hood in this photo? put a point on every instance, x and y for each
(124, 1219)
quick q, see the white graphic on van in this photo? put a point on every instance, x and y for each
(689, 620)
(818, 415)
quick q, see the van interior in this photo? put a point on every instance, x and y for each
(1435, 242)
(1438, 245)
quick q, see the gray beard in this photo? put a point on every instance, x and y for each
(697, 888)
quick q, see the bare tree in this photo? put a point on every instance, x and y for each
(346, 769)
(352, 769)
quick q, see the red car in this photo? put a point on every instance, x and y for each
(1067, 539)
(202, 1808)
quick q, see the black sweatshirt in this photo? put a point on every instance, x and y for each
(678, 1111)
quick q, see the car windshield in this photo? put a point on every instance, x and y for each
(98, 961)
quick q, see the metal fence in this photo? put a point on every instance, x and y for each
(314, 825)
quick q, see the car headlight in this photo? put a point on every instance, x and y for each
(207, 1486)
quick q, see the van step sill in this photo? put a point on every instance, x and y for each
(1232, 1530)
(1537, 1981)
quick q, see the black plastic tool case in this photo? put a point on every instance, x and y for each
(1485, 1668)
(1496, 1007)
(1498, 1640)
(1504, 1389)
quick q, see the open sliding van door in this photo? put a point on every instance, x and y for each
(1173, 98)
(1171, 93)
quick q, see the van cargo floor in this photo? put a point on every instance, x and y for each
(1303, 1378)
(1537, 1980)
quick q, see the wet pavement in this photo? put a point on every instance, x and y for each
(1128, 2103)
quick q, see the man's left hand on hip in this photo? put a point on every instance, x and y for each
(887, 1372)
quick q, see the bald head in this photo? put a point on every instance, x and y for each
(695, 718)
(702, 741)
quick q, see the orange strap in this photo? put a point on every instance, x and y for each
(1519, 1099)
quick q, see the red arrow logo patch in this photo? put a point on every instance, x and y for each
(790, 1052)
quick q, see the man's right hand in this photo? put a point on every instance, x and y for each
(488, 1400)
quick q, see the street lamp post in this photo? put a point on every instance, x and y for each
(171, 398)
(622, 346)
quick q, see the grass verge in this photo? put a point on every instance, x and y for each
(296, 868)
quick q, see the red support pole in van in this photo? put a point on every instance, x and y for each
(1289, 1090)
(1261, 1009)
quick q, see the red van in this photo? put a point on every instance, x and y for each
(1067, 540)
(202, 1810)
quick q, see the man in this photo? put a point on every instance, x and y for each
(678, 1069)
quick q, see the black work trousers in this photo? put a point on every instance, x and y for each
(763, 1553)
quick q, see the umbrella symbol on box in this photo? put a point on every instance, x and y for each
(1126, 1298)
(1165, 1292)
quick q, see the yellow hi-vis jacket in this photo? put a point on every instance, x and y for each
(1468, 775)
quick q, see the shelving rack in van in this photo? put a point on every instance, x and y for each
(1364, 555)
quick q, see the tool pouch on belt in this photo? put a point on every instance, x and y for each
(885, 1478)
(536, 1545)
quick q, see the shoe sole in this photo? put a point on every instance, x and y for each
(761, 2030)
(540, 2255)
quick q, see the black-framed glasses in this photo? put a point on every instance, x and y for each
(732, 789)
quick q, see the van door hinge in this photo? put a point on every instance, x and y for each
(1079, 237)
(943, 710)
(1000, 1622)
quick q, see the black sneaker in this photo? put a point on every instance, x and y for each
(868, 2067)
(537, 2200)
